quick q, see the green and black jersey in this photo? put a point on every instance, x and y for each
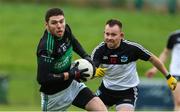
(54, 56)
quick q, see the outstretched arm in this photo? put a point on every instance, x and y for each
(163, 57)
(158, 64)
(171, 81)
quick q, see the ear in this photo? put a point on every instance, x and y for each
(46, 25)
(122, 34)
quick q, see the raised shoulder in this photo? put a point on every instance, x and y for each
(98, 48)
(136, 45)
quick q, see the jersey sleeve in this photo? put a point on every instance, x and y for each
(170, 42)
(142, 53)
(97, 55)
(45, 61)
(77, 47)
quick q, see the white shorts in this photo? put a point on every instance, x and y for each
(63, 99)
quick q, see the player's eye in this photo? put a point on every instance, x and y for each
(53, 22)
(113, 34)
(61, 22)
(107, 34)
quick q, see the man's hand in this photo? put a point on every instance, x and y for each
(75, 73)
(172, 82)
(100, 72)
(151, 72)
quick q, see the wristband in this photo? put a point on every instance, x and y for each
(168, 76)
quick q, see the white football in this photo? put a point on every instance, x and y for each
(83, 64)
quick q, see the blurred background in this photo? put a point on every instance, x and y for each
(148, 22)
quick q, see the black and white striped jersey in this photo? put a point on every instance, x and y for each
(174, 45)
(121, 71)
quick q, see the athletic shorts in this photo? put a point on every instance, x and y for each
(77, 93)
(114, 97)
(177, 78)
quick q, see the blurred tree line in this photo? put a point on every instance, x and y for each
(170, 6)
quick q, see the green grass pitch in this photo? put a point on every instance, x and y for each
(22, 25)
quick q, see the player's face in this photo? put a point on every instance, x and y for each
(56, 25)
(113, 36)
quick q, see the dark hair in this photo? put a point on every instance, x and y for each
(113, 22)
(53, 12)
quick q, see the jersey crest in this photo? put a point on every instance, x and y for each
(124, 58)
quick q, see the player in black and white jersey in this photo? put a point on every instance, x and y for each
(119, 56)
(173, 49)
(59, 84)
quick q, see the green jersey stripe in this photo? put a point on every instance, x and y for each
(49, 46)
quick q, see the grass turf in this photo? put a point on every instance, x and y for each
(22, 25)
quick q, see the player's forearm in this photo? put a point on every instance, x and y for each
(48, 78)
(45, 76)
(159, 65)
(163, 57)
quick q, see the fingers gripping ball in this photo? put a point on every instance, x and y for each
(84, 64)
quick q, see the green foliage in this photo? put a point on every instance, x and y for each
(22, 25)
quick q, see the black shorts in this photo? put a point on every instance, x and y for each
(114, 97)
(84, 96)
(177, 78)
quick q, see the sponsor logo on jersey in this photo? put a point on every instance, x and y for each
(105, 57)
(124, 58)
(63, 47)
(113, 59)
(63, 63)
(114, 55)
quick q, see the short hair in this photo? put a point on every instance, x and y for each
(53, 12)
(113, 22)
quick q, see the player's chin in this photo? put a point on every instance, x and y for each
(59, 35)
(110, 45)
